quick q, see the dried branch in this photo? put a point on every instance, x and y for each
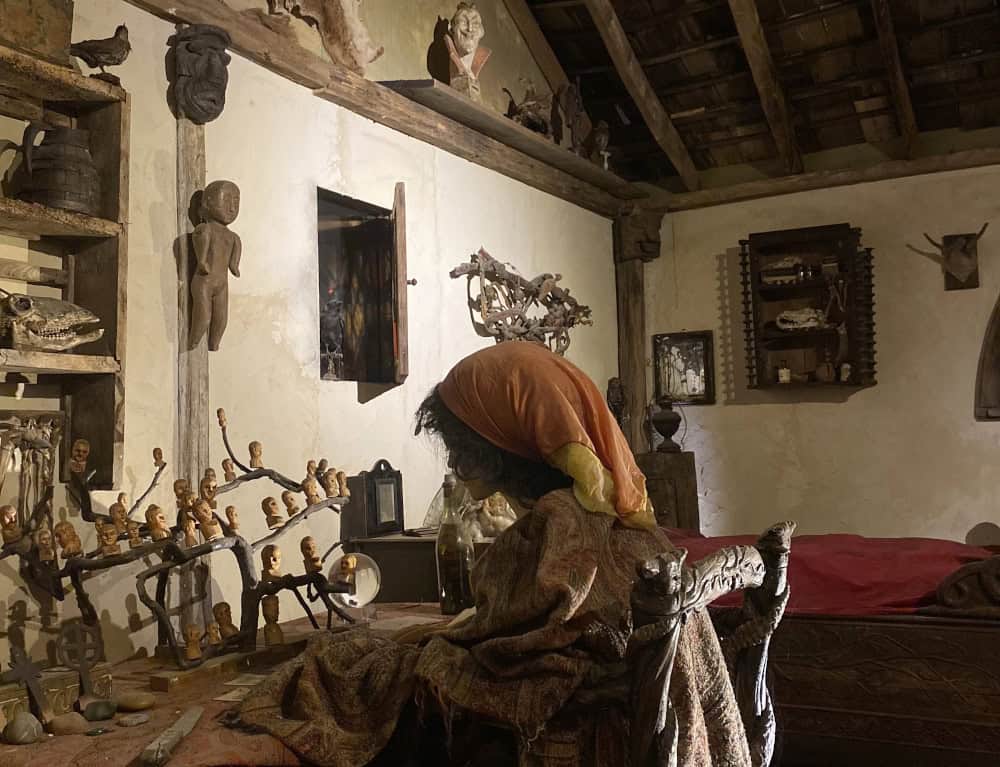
(326, 503)
(160, 468)
(276, 477)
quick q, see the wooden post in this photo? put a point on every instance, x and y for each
(637, 240)
(192, 454)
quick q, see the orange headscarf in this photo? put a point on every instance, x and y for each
(531, 402)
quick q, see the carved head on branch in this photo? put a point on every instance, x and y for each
(958, 255)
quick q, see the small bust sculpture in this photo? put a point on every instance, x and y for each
(134, 539)
(329, 482)
(119, 515)
(273, 635)
(207, 489)
(321, 468)
(224, 617)
(466, 56)
(270, 508)
(288, 498)
(8, 524)
(68, 539)
(192, 642)
(217, 251)
(190, 532)
(233, 517)
(43, 542)
(210, 474)
(181, 490)
(107, 534)
(347, 569)
(311, 488)
(158, 458)
(270, 562)
(311, 469)
(213, 634)
(229, 470)
(256, 455)
(345, 491)
(310, 555)
(211, 530)
(78, 456)
(157, 523)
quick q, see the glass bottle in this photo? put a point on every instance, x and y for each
(455, 553)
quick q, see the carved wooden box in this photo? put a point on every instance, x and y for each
(62, 687)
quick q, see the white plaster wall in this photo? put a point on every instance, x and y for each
(903, 458)
(279, 143)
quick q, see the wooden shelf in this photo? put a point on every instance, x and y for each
(56, 363)
(450, 103)
(41, 80)
(30, 219)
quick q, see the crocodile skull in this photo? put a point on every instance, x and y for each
(46, 324)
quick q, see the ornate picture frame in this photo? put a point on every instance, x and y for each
(684, 365)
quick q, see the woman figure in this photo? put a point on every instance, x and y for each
(552, 595)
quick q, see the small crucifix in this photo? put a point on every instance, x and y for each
(24, 671)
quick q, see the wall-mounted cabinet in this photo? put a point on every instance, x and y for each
(362, 289)
(808, 308)
(91, 248)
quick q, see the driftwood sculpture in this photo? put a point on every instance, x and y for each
(958, 256)
(506, 300)
(344, 36)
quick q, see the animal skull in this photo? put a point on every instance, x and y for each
(46, 324)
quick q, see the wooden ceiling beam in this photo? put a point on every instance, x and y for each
(639, 87)
(897, 78)
(652, 61)
(765, 77)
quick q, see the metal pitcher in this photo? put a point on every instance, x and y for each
(60, 172)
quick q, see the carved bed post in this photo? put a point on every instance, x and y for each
(666, 592)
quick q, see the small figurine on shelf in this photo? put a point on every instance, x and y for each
(68, 539)
(107, 534)
(224, 617)
(466, 56)
(158, 461)
(345, 491)
(213, 634)
(211, 530)
(78, 456)
(329, 482)
(272, 631)
(270, 508)
(233, 517)
(228, 470)
(207, 489)
(310, 555)
(256, 455)
(43, 542)
(192, 642)
(8, 524)
(157, 523)
(288, 498)
(119, 514)
(311, 488)
(270, 562)
(134, 539)
(190, 531)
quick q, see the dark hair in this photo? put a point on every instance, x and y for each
(472, 456)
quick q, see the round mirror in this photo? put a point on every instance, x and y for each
(363, 572)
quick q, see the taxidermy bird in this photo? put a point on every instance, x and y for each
(109, 52)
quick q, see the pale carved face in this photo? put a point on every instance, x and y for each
(288, 499)
(223, 613)
(202, 512)
(192, 634)
(117, 512)
(155, 518)
(8, 516)
(43, 538)
(311, 469)
(210, 474)
(80, 451)
(157, 456)
(181, 489)
(232, 515)
(270, 558)
(208, 487)
(467, 29)
(227, 467)
(214, 633)
(309, 547)
(270, 506)
(108, 535)
(65, 535)
(256, 449)
(310, 487)
(221, 202)
(348, 564)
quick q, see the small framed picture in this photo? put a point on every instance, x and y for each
(685, 367)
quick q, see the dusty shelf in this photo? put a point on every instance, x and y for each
(448, 102)
(55, 363)
(31, 219)
(40, 80)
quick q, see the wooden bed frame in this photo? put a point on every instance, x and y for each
(920, 690)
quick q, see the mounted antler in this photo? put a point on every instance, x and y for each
(958, 256)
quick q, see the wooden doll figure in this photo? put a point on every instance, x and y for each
(213, 634)
(134, 539)
(270, 563)
(211, 530)
(233, 517)
(272, 631)
(345, 492)
(311, 488)
(107, 534)
(157, 523)
(181, 490)
(310, 555)
(229, 470)
(224, 617)
(256, 455)
(288, 498)
(190, 532)
(192, 642)
(329, 482)
(217, 250)
(68, 539)
(119, 514)
(270, 508)
(207, 489)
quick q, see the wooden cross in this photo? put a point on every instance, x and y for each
(24, 671)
